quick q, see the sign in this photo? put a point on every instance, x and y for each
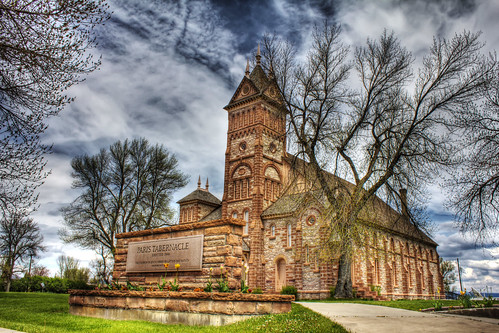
(150, 256)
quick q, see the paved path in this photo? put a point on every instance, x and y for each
(363, 318)
(6, 330)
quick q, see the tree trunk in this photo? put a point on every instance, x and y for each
(7, 286)
(344, 284)
(8, 272)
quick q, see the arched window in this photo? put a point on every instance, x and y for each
(234, 214)
(288, 236)
(246, 218)
(307, 254)
(272, 230)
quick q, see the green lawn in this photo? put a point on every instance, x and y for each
(414, 305)
(44, 312)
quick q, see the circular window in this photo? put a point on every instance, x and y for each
(242, 146)
(272, 148)
(311, 220)
(245, 91)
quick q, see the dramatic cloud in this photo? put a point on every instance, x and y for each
(169, 67)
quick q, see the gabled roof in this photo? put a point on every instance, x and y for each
(259, 78)
(378, 212)
(289, 204)
(254, 85)
(201, 195)
(252, 88)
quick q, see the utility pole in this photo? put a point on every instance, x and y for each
(459, 272)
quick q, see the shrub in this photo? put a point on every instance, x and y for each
(257, 291)
(332, 291)
(437, 305)
(52, 285)
(289, 290)
(377, 289)
(488, 301)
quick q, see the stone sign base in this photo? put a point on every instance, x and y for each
(190, 308)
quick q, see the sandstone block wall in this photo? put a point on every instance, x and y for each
(222, 245)
(192, 308)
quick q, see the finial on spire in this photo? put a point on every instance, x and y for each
(258, 55)
(247, 73)
(207, 184)
(199, 181)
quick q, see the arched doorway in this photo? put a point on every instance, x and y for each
(280, 274)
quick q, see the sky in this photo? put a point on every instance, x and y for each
(169, 67)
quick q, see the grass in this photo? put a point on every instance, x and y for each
(406, 304)
(44, 312)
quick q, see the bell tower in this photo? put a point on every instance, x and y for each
(256, 146)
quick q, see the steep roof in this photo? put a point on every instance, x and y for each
(288, 204)
(285, 205)
(259, 78)
(201, 195)
(256, 85)
(377, 212)
(216, 214)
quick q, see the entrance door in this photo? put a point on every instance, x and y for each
(280, 272)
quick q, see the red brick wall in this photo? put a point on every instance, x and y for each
(382, 261)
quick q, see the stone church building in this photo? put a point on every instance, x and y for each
(284, 214)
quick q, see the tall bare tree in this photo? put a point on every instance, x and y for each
(20, 240)
(448, 270)
(386, 128)
(125, 188)
(474, 188)
(65, 264)
(44, 50)
(69, 268)
(101, 267)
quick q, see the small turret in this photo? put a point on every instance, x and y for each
(258, 56)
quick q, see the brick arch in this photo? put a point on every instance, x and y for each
(237, 166)
(273, 166)
(307, 213)
(272, 186)
(240, 186)
(280, 272)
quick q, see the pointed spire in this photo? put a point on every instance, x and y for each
(199, 181)
(207, 184)
(247, 73)
(258, 55)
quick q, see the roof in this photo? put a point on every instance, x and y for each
(379, 213)
(259, 78)
(216, 214)
(285, 205)
(259, 84)
(201, 195)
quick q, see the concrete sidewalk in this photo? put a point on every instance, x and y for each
(362, 318)
(6, 330)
